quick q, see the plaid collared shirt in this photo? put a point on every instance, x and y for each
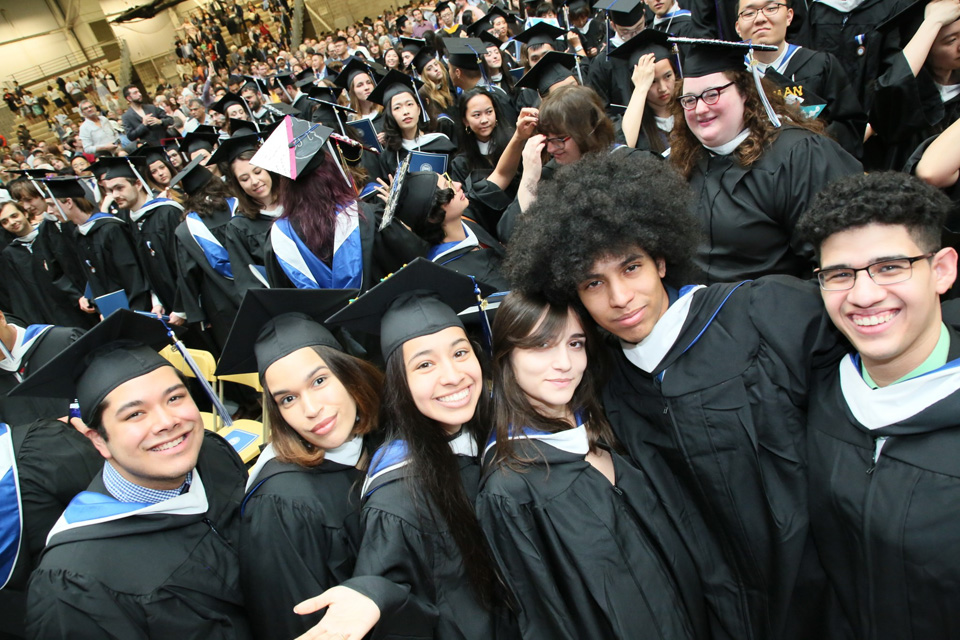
(126, 491)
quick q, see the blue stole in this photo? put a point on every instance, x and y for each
(215, 253)
(305, 270)
(438, 251)
(11, 519)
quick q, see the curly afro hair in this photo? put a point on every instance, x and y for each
(884, 197)
(605, 205)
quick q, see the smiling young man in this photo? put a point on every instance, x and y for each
(883, 431)
(708, 386)
(148, 549)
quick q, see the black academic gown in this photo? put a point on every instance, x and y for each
(299, 534)
(748, 213)
(154, 234)
(679, 25)
(884, 523)
(610, 78)
(584, 558)
(247, 241)
(718, 426)
(54, 463)
(207, 297)
(405, 543)
(822, 75)
(481, 259)
(157, 576)
(39, 281)
(107, 254)
(390, 160)
(20, 410)
(907, 111)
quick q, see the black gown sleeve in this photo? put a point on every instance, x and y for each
(904, 105)
(244, 251)
(117, 249)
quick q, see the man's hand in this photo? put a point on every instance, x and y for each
(350, 615)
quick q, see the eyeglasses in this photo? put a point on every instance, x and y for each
(884, 273)
(710, 96)
(770, 10)
(559, 142)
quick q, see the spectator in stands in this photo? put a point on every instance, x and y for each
(96, 132)
(144, 122)
(76, 93)
(420, 26)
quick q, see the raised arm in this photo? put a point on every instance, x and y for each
(510, 158)
(940, 163)
(643, 74)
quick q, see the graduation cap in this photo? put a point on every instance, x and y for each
(294, 149)
(34, 174)
(151, 153)
(63, 188)
(234, 79)
(260, 85)
(233, 146)
(117, 167)
(228, 99)
(242, 127)
(412, 44)
(423, 58)
(279, 109)
(273, 323)
(394, 84)
(332, 114)
(490, 39)
(420, 299)
(440, 7)
(540, 34)
(413, 199)
(327, 94)
(550, 69)
(193, 177)
(196, 140)
(485, 23)
(465, 53)
(624, 13)
(285, 79)
(350, 71)
(647, 41)
(121, 348)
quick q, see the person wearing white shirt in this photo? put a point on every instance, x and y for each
(96, 132)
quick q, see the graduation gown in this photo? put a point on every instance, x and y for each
(883, 514)
(107, 252)
(478, 255)
(41, 292)
(437, 143)
(204, 274)
(819, 78)
(677, 23)
(748, 213)
(299, 534)
(907, 111)
(246, 241)
(23, 409)
(154, 233)
(406, 544)
(586, 559)
(93, 580)
(716, 419)
(610, 78)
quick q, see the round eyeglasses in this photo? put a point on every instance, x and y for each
(770, 10)
(710, 96)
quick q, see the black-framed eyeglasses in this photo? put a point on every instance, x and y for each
(884, 273)
(710, 96)
(770, 10)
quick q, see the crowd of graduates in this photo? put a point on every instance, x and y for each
(616, 321)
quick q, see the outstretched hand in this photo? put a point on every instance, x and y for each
(350, 615)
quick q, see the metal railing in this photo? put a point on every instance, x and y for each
(56, 66)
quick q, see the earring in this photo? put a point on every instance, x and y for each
(358, 418)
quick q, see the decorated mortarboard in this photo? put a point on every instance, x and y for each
(393, 84)
(350, 71)
(412, 44)
(228, 99)
(624, 13)
(423, 58)
(273, 323)
(465, 53)
(645, 42)
(193, 177)
(550, 69)
(233, 146)
(65, 188)
(420, 299)
(294, 148)
(540, 34)
(196, 140)
(119, 349)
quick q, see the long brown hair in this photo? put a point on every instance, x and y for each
(577, 112)
(247, 206)
(526, 322)
(362, 381)
(686, 149)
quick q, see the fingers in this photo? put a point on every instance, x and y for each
(314, 604)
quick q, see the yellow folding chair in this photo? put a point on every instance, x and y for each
(207, 365)
(246, 438)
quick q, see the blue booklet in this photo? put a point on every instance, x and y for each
(364, 127)
(517, 73)
(423, 161)
(110, 302)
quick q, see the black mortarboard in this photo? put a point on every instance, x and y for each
(305, 77)
(115, 167)
(193, 177)
(306, 140)
(716, 56)
(196, 140)
(273, 323)
(328, 94)
(36, 174)
(122, 347)
(624, 13)
(420, 299)
(233, 146)
(539, 34)
(229, 98)
(98, 170)
(240, 127)
(415, 197)
(549, 70)
(423, 58)
(440, 6)
(259, 85)
(351, 70)
(65, 188)
(465, 53)
(400, 21)
(647, 41)
(394, 83)
(412, 44)
(234, 79)
(490, 40)
(285, 79)
(152, 153)
(485, 23)
(280, 109)
(332, 114)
